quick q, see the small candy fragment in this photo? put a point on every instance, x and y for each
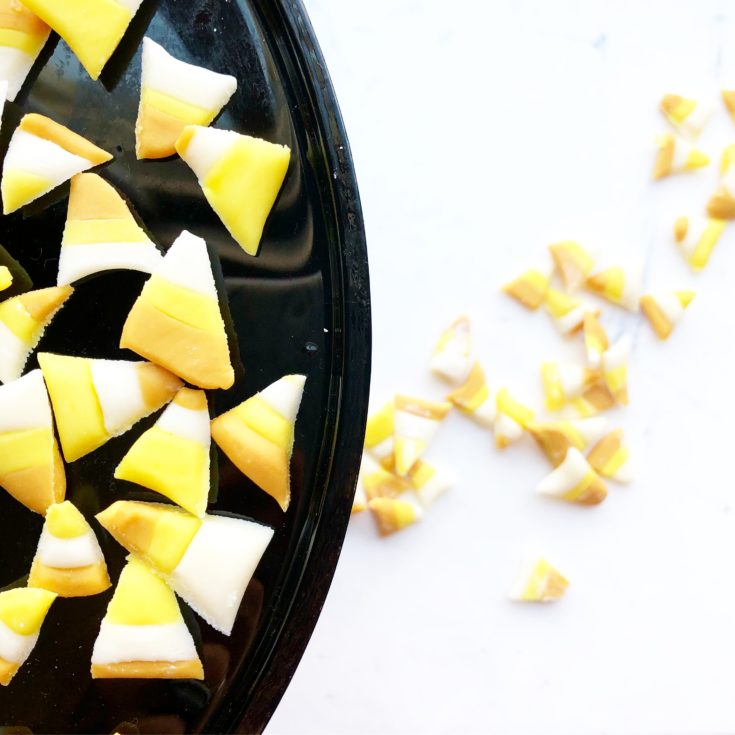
(379, 433)
(175, 94)
(395, 514)
(556, 437)
(68, 560)
(563, 382)
(359, 501)
(23, 320)
(530, 288)
(566, 311)
(664, 310)
(428, 482)
(595, 339)
(697, 238)
(416, 423)
(722, 203)
(377, 481)
(674, 156)
(143, 634)
(41, 156)
(619, 286)
(595, 399)
(572, 262)
(538, 581)
(511, 419)
(20, 281)
(574, 480)
(239, 175)
(728, 97)
(615, 369)
(474, 398)
(610, 457)
(686, 115)
(6, 278)
(22, 612)
(451, 359)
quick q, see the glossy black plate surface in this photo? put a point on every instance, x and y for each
(301, 306)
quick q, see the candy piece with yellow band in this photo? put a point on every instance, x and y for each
(556, 437)
(566, 311)
(619, 285)
(538, 581)
(475, 398)
(511, 420)
(595, 339)
(697, 238)
(395, 514)
(572, 262)
(574, 480)
(452, 358)
(675, 156)
(379, 433)
(615, 369)
(416, 421)
(610, 457)
(563, 382)
(685, 114)
(530, 288)
(664, 310)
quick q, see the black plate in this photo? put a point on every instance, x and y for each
(301, 306)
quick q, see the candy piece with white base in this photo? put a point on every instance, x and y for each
(697, 238)
(595, 399)
(416, 423)
(615, 368)
(685, 114)
(565, 381)
(619, 285)
(22, 38)
(574, 480)
(452, 355)
(675, 156)
(556, 437)
(475, 398)
(395, 514)
(572, 262)
(566, 311)
(377, 481)
(610, 457)
(379, 433)
(511, 420)
(429, 482)
(530, 288)
(664, 310)
(538, 581)
(595, 339)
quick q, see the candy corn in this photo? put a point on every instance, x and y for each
(572, 262)
(564, 382)
(619, 286)
(610, 457)
(512, 418)
(395, 514)
(674, 156)
(474, 398)
(379, 433)
(538, 581)
(566, 311)
(615, 369)
(697, 238)
(664, 310)
(530, 288)
(416, 423)
(451, 359)
(556, 437)
(722, 203)
(574, 480)
(595, 339)
(686, 115)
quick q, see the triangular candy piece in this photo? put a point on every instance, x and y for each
(6, 278)
(68, 560)
(101, 234)
(722, 203)
(240, 176)
(565, 381)
(96, 400)
(621, 286)
(172, 457)
(258, 436)
(697, 238)
(556, 437)
(395, 514)
(452, 358)
(538, 581)
(572, 262)
(511, 419)
(208, 562)
(685, 114)
(22, 612)
(143, 634)
(416, 422)
(22, 38)
(574, 480)
(664, 310)
(23, 320)
(566, 311)
(674, 156)
(530, 288)
(92, 28)
(595, 339)
(379, 433)
(475, 398)
(176, 320)
(175, 94)
(41, 156)
(615, 368)
(17, 280)
(610, 457)
(31, 469)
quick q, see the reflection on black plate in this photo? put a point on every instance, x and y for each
(301, 306)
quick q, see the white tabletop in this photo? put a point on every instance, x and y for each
(482, 131)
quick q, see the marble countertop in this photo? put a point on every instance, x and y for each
(482, 132)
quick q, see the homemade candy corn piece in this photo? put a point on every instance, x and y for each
(615, 369)
(722, 203)
(379, 433)
(31, 469)
(556, 437)
(416, 421)
(688, 116)
(530, 288)
(377, 481)
(175, 94)
(91, 28)
(564, 382)
(395, 514)
(572, 262)
(674, 156)
(359, 501)
(22, 612)
(101, 234)
(15, 280)
(664, 310)
(574, 480)
(143, 634)
(96, 400)
(620, 286)
(185, 550)
(428, 482)
(22, 37)
(452, 359)
(595, 339)
(68, 560)
(511, 419)
(566, 311)
(176, 321)
(474, 398)
(538, 581)
(41, 156)
(610, 457)
(697, 237)
(6, 278)
(258, 436)
(172, 457)
(240, 176)
(594, 400)
(23, 320)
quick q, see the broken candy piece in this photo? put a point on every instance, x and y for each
(615, 369)
(176, 321)
(664, 310)
(574, 480)
(31, 469)
(428, 482)
(686, 115)
(511, 419)
(566, 311)
(379, 433)
(697, 238)
(538, 581)
(20, 281)
(595, 339)
(594, 400)
(172, 457)
(41, 156)
(239, 175)
(143, 634)
(377, 481)
(674, 156)
(22, 612)
(175, 94)
(208, 562)
(556, 437)
(451, 359)
(722, 203)
(395, 514)
(416, 423)
(359, 501)
(6, 278)
(610, 457)
(258, 436)
(530, 288)
(96, 400)
(101, 234)
(564, 382)
(619, 286)
(23, 320)
(68, 560)
(475, 398)
(91, 28)
(22, 37)
(572, 262)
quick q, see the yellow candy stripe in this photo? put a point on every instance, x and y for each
(701, 254)
(184, 111)
(517, 411)
(24, 609)
(261, 417)
(17, 319)
(184, 305)
(379, 426)
(93, 231)
(22, 450)
(63, 520)
(393, 515)
(6, 277)
(27, 43)
(580, 489)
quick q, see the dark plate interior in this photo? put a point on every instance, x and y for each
(300, 306)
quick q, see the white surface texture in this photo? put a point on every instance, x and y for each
(483, 131)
